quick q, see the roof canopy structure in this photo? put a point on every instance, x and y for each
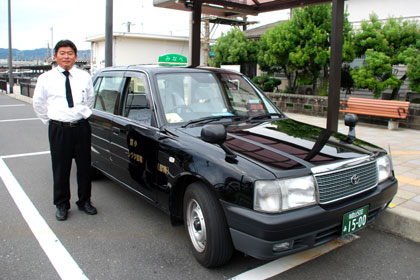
(231, 8)
(226, 8)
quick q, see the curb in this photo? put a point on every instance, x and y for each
(403, 222)
(21, 97)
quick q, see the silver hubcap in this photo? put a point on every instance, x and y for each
(196, 225)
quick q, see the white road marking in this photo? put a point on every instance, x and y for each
(13, 105)
(19, 120)
(60, 258)
(67, 268)
(283, 264)
(25, 155)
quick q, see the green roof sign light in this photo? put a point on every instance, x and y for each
(172, 60)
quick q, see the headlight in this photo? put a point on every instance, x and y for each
(280, 195)
(384, 168)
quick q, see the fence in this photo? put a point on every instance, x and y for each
(3, 85)
(27, 89)
(318, 106)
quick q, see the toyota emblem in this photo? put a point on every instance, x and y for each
(355, 179)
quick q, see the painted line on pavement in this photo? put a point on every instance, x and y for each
(12, 105)
(286, 263)
(60, 258)
(406, 153)
(18, 120)
(409, 181)
(25, 155)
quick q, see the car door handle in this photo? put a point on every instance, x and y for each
(115, 130)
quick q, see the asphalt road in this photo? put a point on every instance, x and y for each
(131, 239)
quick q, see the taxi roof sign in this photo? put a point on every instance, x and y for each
(172, 60)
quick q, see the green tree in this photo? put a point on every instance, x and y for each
(301, 47)
(392, 43)
(274, 48)
(234, 48)
(376, 73)
(411, 58)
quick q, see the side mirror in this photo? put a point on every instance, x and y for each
(216, 134)
(351, 120)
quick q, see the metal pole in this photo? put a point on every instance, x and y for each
(206, 48)
(52, 40)
(108, 33)
(195, 33)
(335, 64)
(10, 51)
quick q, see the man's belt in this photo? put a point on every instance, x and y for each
(71, 124)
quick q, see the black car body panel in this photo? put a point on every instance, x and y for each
(256, 233)
(156, 150)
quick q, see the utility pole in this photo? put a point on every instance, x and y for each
(10, 51)
(52, 41)
(108, 33)
(48, 52)
(206, 48)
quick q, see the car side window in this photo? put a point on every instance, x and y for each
(107, 94)
(136, 104)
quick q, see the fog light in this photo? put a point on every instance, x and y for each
(282, 246)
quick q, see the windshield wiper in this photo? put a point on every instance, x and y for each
(207, 120)
(263, 116)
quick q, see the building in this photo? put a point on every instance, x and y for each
(136, 48)
(361, 9)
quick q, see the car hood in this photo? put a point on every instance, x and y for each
(288, 144)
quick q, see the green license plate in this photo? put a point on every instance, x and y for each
(355, 220)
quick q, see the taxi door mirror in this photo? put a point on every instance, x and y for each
(216, 134)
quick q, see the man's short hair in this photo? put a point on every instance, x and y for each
(65, 43)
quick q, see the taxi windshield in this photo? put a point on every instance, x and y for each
(190, 96)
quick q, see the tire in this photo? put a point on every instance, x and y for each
(206, 226)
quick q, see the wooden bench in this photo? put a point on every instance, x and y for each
(391, 109)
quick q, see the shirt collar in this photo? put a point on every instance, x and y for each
(61, 70)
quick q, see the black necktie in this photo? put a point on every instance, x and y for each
(68, 89)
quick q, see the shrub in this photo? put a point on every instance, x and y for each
(266, 83)
(415, 101)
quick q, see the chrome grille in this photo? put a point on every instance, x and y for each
(340, 184)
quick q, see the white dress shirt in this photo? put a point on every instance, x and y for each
(49, 100)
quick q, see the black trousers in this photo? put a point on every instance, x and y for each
(66, 143)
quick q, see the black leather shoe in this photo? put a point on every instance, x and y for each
(87, 208)
(61, 213)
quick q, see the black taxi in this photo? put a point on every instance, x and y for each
(209, 148)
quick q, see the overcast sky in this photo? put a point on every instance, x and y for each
(76, 20)
(32, 21)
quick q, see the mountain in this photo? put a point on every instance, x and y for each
(38, 54)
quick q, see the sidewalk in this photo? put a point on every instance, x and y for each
(403, 215)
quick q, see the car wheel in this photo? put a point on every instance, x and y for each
(206, 226)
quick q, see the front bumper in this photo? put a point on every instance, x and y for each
(255, 233)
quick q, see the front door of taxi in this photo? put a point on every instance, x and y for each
(133, 138)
